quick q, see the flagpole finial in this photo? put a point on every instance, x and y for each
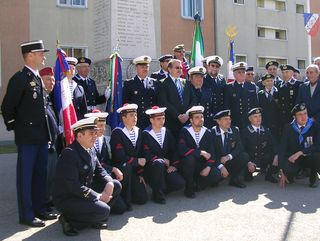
(197, 16)
(231, 32)
(58, 43)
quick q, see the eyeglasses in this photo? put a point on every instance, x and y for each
(249, 73)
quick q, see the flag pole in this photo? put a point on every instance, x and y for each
(309, 38)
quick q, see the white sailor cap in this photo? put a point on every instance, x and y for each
(156, 111)
(33, 46)
(84, 124)
(98, 114)
(239, 65)
(145, 59)
(197, 70)
(215, 59)
(198, 109)
(72, 60)
(126, 108)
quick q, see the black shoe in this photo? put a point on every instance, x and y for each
(47, 216)
(100, 226)
(189, 194)
(313, 181)
(158, 197)
(271, 179)
(129, 207)
(67, 228)
(248, 177)
(36, 222)
(235, 182)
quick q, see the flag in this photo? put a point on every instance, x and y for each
(231, 61)
(311, 23)
(197, 53)
(115, 100)
(62, 97)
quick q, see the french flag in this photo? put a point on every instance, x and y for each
(62, 97)
(311, 23)
(230, 62)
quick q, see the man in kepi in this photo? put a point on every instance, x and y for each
(79, 204)
(24, 111)
(300, 147)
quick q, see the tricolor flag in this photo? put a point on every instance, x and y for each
(311, 23)
(62, 97)
(115, 100)
(230, 62)
(197, 53)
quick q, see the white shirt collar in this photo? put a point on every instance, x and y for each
(35, 72)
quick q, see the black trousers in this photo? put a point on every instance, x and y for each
(237, 165)
(191, 168)
(311, 161)
(82, 213)
(160, 180)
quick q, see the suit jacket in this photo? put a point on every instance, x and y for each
(79, 102)
(169, 97)
(217, 86)
(93, 97)
(187, 145)
(135, 92)
(74, 174)
(258, 145)
(290, 142)
(152, 150)
(23, 108)
(233, 143)
(287, 99)
(312, 102)
(240, 100)
(122, 149)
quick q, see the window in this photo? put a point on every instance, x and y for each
(299, 8)
(260, 3)
(238, 1)
(263, 60)
(272, 33)
(301, 64)
(281, 6)
(240, 58)
(76, 52)
(72, 3)
(189, 8)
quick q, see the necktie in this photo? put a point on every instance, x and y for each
(179, 89)
(225, 142)
(301, 128)
(97, 146)
(142, 82)
(269, 96)
(258, 130)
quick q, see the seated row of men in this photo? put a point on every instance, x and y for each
(85, 191)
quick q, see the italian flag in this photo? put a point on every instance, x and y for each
(197, 53)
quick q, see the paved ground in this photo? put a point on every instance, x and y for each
(262, 211)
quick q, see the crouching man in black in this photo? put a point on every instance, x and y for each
(258, 143)
(300, 147)
(229, 148)
(196, 151)
(81, 206)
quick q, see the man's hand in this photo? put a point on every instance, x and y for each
(106, 195)
(224, 172)
(105, 198)
(171, 169)
(141, 180)
(224, 159)
(205, 154)
(283, 180)
(183, 118)
(141, 161)
(275, 161)
(295, 156)
(167, 162)
(251, 167)
(205, 172)
(117, 173)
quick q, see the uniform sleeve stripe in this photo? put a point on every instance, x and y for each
(131, 160)
(188, 152)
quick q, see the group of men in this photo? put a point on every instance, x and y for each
(181, 128)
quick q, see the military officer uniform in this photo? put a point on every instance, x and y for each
(190, 145)
(258, 143)
(161, 74)
(156, 148)
(126, 148)
(24, 110)
(287, 93)
(277, 79)
(297, 138)
(93, 97)
(229, 143)
(240, 98)
(73, 192)
(217, 86)
(143, 92)
(269, 102)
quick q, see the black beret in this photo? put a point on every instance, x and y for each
(271, 63)
(267, 76)
(298, 108)
(286, 67)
